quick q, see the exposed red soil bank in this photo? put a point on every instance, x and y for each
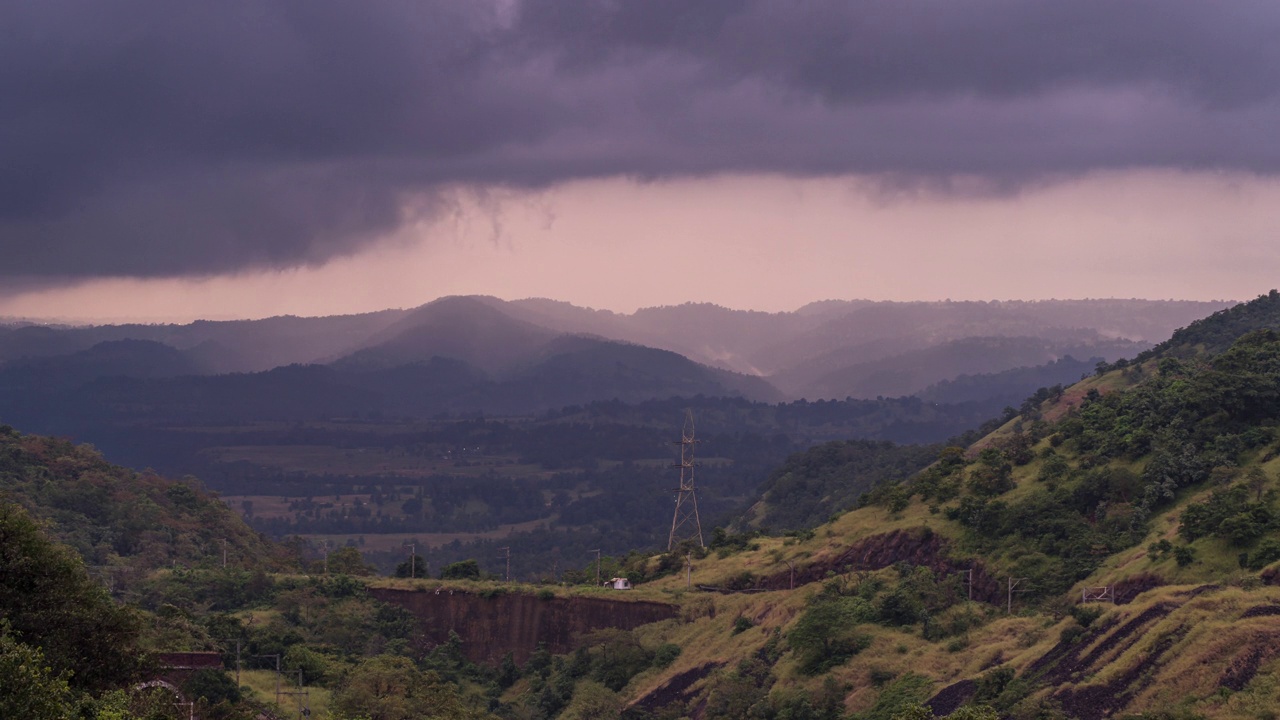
(491, 627)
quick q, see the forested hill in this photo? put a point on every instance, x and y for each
(1217, 332)
(812, 485)
(118, 518)
(831, 477)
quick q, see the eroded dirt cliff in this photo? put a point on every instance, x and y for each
(516, 623)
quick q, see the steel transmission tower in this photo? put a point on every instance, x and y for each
(685, 524)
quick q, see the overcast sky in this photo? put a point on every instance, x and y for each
(165, 160)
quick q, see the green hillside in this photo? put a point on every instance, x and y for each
(1153, 484)
(76, 531)
(116, 518)
(957, 590)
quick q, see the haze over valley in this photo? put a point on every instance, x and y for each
(472, 419)
(639, 360)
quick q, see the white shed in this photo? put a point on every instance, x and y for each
(619, 584)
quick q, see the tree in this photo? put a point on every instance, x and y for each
(966, 712)
(461, 570)
(211, 689)
(825, 635)
(411, 568)
(993, 475)
(914, 712)
(1256, 480)
(592, 701)
(30, 690)
(390, 687)
(51, 603)
(347, 560)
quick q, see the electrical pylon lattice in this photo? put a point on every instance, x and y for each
(685, 524)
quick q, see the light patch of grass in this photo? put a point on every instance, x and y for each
(262, 687)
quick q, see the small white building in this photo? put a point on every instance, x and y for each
(618, 584)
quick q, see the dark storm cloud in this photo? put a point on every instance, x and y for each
(152, 138)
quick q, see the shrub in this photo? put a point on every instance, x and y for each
(1184, 555)
(1072, 633)
(826, 636)
(880, 676)
(461, 570)
(900, 607)
(1085, 615)
(665, 655)
(1268, 552)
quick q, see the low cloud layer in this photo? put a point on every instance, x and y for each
(149, 138)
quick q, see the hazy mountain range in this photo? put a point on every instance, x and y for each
(467, 354)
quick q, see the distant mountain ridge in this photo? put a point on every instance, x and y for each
(831, 349)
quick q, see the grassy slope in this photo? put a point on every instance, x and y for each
(1189, 673)
(1197, 643)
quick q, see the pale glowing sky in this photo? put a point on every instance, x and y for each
(165, 162)
(768, 243)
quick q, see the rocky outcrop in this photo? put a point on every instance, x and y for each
(491, 626)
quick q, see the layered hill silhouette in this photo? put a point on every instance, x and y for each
(804, 348)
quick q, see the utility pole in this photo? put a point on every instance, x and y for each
(1013, 583)
(507, 550)
(238, 640)
(413, 559)
(303, 705)
(224, 553)
(326, 557)
(793, 573)
(277, 657)
(597, 552)
(969, 582)
(688, 563)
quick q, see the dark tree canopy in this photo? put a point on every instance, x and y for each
(51, 603)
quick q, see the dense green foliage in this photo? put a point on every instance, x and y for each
(829, 478)
(31, 689)
(1117, 458)
(1010, 386)
(1220, 330)
(120, 518)
(49, 602)
(390, 687)
(588, 471)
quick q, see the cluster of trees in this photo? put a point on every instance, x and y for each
(1215, 333)
(1113, 461)
(831, 629)
(828, 632)
(829, 478)
(66, 649)
(120, 520)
